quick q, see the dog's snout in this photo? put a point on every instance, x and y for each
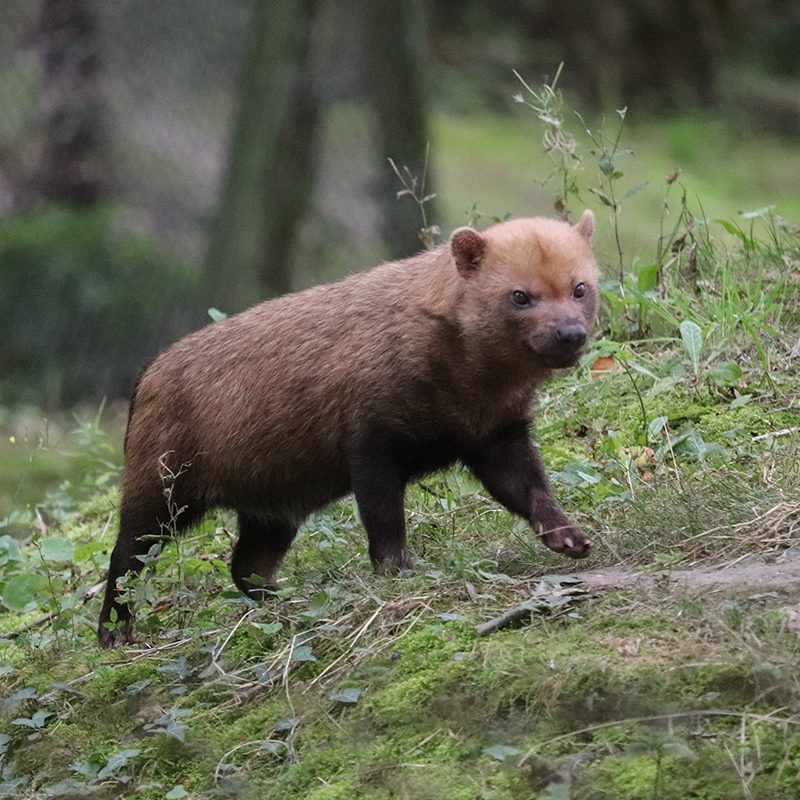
(571, 334)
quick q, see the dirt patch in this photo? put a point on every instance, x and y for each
(754, 573)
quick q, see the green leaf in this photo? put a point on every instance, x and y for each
(603, 197)
(606, 164)
(217, 315)
(346, 696)
(116, 762)
(22, 589)
(758, 212)
(741, 401)
(726, 374)
(40, 717)
(56, 549)
(303, 653)
(655, 427)
(640, 368)
(692, 337)
(633, 191)
(647, 278)
(318, 605)
(269, 627)
(500, 751)
(28, 723)
(9, 550)
(733, 229)
(83, 552)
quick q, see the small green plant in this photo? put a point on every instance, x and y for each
(415, 188)
(560, 145)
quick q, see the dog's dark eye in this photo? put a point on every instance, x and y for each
(520, 298)
(579, 291)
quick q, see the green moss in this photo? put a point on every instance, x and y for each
(619, 779)
(340, 790)
(326, 759)
(253, 723)
(110, 680)
(408, 699)
(739, 425)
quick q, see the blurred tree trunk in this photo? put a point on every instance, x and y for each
(269, 175)
(71, 166)
(394, 83)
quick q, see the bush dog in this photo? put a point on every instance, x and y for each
(360, 386)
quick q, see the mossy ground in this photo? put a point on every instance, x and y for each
(630, 694)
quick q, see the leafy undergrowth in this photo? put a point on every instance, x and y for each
(678, 446)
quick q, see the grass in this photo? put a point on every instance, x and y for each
(725, 165)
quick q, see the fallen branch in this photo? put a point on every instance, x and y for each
(547, 598)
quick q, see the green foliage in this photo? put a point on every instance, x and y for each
(85, 301)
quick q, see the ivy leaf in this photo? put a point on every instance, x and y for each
(28, 693)
(116, 762)
(655, 427)
(316, 608)
(137, 687)
(346, 696)
(303, 653)
(268, 627)
(40, 717)
(500, 751)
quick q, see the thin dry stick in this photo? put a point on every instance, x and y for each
(776, 434)
(218, 652)
(355, 637)
(224, 758)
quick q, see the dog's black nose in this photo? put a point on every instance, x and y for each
(572, 334)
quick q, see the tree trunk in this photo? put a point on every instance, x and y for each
(71, 167)
(393, 33)
(269, 175)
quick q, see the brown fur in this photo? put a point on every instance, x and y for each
(359, 385)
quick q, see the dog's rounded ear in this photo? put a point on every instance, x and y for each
(585, 225)
(468, 248)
